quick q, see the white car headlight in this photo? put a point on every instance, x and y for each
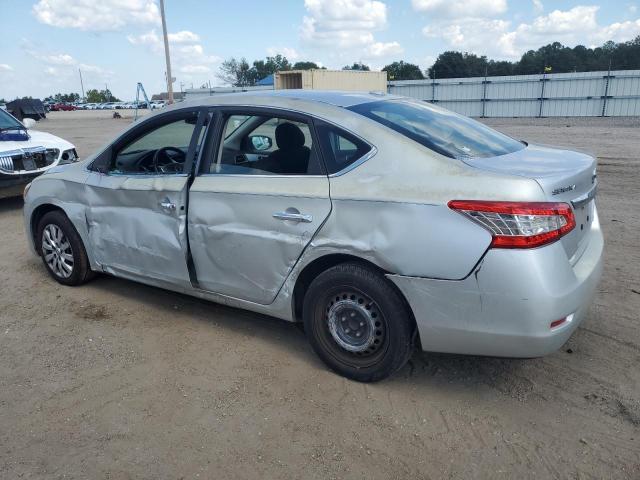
(68, 156)
(51, 155)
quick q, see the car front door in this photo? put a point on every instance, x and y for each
(137, 196)
(258, 200)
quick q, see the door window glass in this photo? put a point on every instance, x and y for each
(265, 145)
(162, 150)
(340, 149)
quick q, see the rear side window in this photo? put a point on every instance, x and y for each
(340, 149)
(440, 130)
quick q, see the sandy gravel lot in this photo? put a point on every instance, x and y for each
(117, 380)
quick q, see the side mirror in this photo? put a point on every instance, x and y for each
(29, 123)
(260, 143)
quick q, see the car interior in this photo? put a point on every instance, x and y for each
(162, 150)
(265, 145)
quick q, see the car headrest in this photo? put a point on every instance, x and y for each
(289, 136)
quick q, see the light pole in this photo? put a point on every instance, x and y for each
(166, 54)
(81, 85)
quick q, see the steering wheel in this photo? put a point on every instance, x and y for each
(171, 165)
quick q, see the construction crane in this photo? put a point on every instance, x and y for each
(139, 89)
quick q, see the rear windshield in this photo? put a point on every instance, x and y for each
(440, 130)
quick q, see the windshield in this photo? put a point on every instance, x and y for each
(7, 121)
(440, 130)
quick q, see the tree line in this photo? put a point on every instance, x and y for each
(92, 96)
(551, 58)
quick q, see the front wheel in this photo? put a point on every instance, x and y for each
(358, 323)
(62, 250)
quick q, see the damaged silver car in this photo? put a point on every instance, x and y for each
(378, 221)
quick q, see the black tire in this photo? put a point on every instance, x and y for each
(357, 296)
(80, 270)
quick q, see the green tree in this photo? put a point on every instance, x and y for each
(554, 56)
(357, 66)
(452, 64)
(269, 66)
(236, 72)
(65, 97)
(306, 66)
(100, 96)
(403, 71)
(240, 74)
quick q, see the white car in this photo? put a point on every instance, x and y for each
(27, 153)
(157, 105)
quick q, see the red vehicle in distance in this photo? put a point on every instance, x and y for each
(65, 107)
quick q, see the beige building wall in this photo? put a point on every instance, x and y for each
(351, 80)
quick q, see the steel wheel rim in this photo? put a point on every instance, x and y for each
(56, 251)
(358, 351)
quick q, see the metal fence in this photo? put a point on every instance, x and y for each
(586, 94)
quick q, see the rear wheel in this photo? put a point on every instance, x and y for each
(358, 323)
(61, 249)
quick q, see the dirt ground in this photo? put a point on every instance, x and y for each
(117, 380)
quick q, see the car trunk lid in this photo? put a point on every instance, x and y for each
(564, 176)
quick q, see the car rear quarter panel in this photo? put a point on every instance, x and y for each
(392, 209)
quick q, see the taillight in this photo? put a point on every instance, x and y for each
(519, 224)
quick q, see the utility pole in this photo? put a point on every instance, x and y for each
(166, 54)
(81, 84)
(107, 93)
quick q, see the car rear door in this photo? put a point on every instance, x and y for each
(137, 211)
(256, 202)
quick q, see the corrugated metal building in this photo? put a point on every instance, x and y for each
(589, 94)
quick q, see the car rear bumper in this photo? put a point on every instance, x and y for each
(506, 306)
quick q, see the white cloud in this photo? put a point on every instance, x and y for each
(150, 38)
(185, 36)
(194, 69)
(347, 27)
(58, 59)
(461, 8)
(538, 7)
(5, 68)
(289, 53)
(380, 49)
(187, 54)
(499, 39)
(96, 15)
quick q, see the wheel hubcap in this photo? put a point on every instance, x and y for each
(354, 323)
(57, 251)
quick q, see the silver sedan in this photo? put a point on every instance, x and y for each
(379, 222)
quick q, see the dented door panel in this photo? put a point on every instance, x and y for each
(130, 232)
(240, 246)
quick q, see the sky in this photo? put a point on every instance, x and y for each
(43, 43)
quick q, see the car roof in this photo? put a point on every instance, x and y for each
(331, 97)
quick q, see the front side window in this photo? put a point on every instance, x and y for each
(161, 150)
(440, 130)
(265, 145)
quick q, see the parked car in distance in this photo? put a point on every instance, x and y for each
(378, 221)
(26, 153)
(62, 107)
(156, 104)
